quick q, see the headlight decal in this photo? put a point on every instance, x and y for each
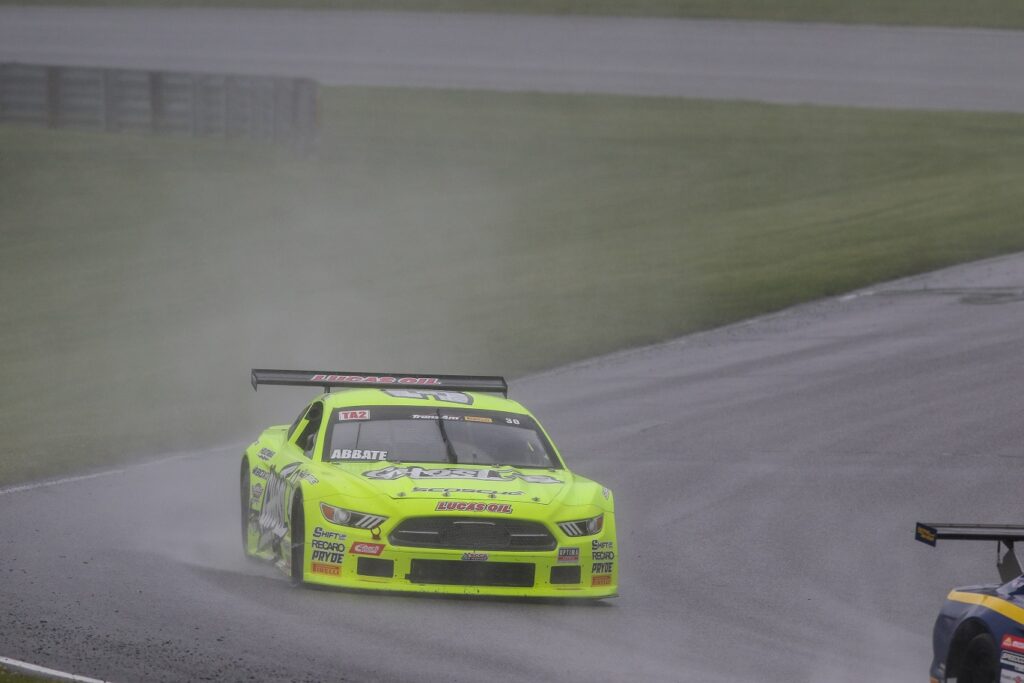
(343, 517)
(583, 527)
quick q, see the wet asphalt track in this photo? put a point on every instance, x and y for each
(767, 478)
(767, 475)
(917, 68)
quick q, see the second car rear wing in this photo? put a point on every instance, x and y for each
(329, 379)
(1003, 534)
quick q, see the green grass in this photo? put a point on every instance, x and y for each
(990, 13)
(446, 231)
(8, 676)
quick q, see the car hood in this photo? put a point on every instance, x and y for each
(404, 481)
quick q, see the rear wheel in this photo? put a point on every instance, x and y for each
(298, 540)
(981, 661)
(244, 495)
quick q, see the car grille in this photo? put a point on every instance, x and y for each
(374, 566)
(455, 573)
(472, 533)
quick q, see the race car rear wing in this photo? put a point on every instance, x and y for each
(1003, 534)
(328, 380)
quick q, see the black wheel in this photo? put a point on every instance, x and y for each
(244, 494)
(298, 540)
(981, 661)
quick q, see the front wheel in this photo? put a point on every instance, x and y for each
(246, 511)
(981, 661)
(298, 541)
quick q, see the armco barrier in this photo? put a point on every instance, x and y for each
(264, 108)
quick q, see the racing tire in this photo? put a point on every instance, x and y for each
(980, 662)
(244, 494)
(298, 548)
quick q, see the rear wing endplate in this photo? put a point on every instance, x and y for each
(1005, 535)
(331, 379)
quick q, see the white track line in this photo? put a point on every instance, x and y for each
(25, 667)
(81, 477)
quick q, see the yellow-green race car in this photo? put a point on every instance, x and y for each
(427, 484)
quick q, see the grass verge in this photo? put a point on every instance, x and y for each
(446, 231)
(8, 676)
(987, 13)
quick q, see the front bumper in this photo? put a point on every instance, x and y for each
(577, 568)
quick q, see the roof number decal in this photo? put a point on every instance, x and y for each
(434, 394)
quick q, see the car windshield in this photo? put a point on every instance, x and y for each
(409, 434)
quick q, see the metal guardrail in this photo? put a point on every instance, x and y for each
(272, 109)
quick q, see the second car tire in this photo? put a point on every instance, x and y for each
(981, 661)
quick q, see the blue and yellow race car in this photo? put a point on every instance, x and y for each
(979, 634)
(423, 483)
